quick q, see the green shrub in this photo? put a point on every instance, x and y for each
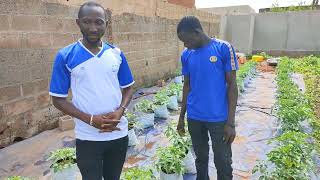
(145, 106)
(62, 158)
(169, 160)
(137, 174)
(161, 98)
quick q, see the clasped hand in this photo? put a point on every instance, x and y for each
(107, 122)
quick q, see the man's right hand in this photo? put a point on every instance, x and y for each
(180, 126)
(104, 124)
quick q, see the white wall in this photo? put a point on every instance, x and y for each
(289, 32)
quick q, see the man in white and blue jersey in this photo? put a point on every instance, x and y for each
(100, 80)
(209, 96)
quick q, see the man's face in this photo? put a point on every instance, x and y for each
(191, 40)
(92, 23)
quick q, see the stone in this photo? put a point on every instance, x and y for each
(66, 123)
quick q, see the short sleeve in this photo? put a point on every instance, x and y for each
(185, 69)
(60, 79)
(229, 58)
(124, 74)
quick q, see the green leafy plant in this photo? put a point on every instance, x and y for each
(243, 72)
(62, 158)
(178, 72)
(169, 160)
(291, 159)
(249, 56)
(18, 178)
(294, 107)
(265, 55)
(181, 141)
(309, 66)
(300, 7)
(161, 98)
(137, 174)
(145, 106)
(131, 116)
(174, 89)
(132, 123)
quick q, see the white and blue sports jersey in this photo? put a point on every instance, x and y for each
(206, 67)
(95, 82)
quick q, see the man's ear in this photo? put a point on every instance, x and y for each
(78, 22)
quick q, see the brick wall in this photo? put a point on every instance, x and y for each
(32, 31)
(148, 8)
(185, 3)
(150, 45)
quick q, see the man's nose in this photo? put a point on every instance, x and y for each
(93, 28)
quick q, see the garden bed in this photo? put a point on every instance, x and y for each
(254, 128)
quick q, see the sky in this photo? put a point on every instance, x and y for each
(255, 4)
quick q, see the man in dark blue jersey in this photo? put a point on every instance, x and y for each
(209, 96)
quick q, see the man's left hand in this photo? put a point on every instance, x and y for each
(229, 133)
(116, 115)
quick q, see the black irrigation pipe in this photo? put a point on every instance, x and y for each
(144, 94)
(257, 109)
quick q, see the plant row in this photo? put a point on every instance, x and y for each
(291, 158)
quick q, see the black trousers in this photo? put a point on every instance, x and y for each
(222, 151)
(97, 159)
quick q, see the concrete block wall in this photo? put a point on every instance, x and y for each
(185, 3)
(32, 31)
(172, 11)
(293, 33)
(148, 8)
(278, 34)
(150, 45)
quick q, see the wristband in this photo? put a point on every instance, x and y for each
(91, 120)
(125, 109)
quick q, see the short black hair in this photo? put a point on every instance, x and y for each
(189, 24)
(92, 4)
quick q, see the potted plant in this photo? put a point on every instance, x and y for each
(184, 143)
(63, 164)
(160, 101)
(145, 113)
(137, 174)
(178, 79)
(132, 124)
(169, 163)
(173, 91)
(181, 141)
